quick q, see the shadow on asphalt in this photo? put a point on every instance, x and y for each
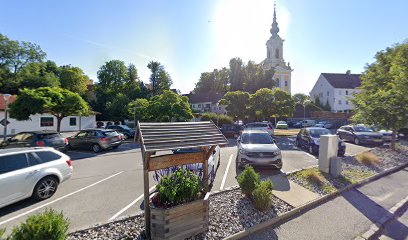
(77, 154)
(373, 211)
(17, 206)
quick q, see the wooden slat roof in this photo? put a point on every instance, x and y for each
(178, 135)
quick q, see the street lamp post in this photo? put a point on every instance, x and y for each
(134, 122)
(304, 108)
(6, 99)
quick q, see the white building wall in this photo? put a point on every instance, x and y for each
(324, 91)
(34, 124)
(342, 100)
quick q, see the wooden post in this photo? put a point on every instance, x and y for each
(146, 193)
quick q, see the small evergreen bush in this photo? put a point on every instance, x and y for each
(46, 225)
(180, 187)
(248, 180)
(262, 195)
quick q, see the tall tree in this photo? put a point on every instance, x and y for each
(159, 78)
(113, 74)
(383, 99)
(73, 79)
(169, 107)
(283, 104)
(261, 103)
(35, 75)
(236, 104)
(300, 98)
(56, 101)
(138, 110)
(236, 74)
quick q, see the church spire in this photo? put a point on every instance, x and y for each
(275, 28)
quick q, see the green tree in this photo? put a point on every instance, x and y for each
(35, 75)
(236, 104)
(113, 74)
(236, 74)
(283, 104)
(159, 78)
(261, 103)
(168, 107)
(327, 106)
(55, 101)
(383, 98)
(141, 111)
(300, 98)
(73, 79)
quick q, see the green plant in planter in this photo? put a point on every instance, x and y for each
(46, 225)
(248, 180)
(180, 187)
(262, 195)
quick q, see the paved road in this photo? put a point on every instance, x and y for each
(348, 215)
(109, 185)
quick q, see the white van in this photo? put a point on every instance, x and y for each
(308, 123)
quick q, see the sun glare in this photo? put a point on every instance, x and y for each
(241, 29)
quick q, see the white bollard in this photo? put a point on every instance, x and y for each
(329, 145)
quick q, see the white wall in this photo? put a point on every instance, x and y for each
(320, 89)
(34, 124)
(340, 95)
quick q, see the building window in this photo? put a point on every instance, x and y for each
(46, 122)
(339, 102)
(346, 102)
(72, 121)
(286, 83)
(328, 93)
(346, 92)
(199, 105)
(277, 53)
(208, 105)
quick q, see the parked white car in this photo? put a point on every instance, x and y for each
(31, 172)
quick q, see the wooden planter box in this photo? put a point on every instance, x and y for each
(181, 221)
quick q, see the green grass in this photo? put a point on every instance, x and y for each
(286, 132)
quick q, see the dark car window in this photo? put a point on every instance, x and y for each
(363, 129)
(47, 156)
(315, 133)
(33, 160)
(256, 138)
(49, 135)
(124, 127)
(13, 162)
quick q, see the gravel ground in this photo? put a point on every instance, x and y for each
(230, 212)
(356, 171)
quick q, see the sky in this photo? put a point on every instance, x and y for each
(191, 37)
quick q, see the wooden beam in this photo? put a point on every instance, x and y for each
(146, 158)
(170, 160)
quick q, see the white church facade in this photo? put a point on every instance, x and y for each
(274, 58)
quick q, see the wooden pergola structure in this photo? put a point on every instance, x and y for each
(156, 137)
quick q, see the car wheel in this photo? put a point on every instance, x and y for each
(297, 144)
(96, 148)
(45, 188)
(126, 136)
(356, 141)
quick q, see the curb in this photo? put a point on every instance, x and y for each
(307, 206)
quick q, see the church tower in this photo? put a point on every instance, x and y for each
(274, 58)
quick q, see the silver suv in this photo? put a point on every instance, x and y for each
(31, 172)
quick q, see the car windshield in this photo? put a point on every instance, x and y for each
(257, 125)
(281, 122)
(363, 129)
(256, 138)
(315, 133)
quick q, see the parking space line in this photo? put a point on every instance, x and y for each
(59, 199)
(226, 172)
(129, 205)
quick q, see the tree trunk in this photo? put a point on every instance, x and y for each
(59, 119)
(393, 139)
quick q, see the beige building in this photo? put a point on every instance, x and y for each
(274, 58)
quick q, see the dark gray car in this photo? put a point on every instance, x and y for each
(95, 140)
(360, 134)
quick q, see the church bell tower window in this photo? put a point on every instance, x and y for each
(277, 53)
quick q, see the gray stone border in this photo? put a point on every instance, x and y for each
(308, 206)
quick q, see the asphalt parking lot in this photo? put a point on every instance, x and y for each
(109, 185)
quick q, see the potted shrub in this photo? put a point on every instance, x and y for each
(179, 208)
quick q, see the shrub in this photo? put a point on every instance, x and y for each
(314, 177)
(367, 158)
(46, 225)
(220, 118)
(248, 180)
(262, 195)
(180, 187)
(2, 231)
